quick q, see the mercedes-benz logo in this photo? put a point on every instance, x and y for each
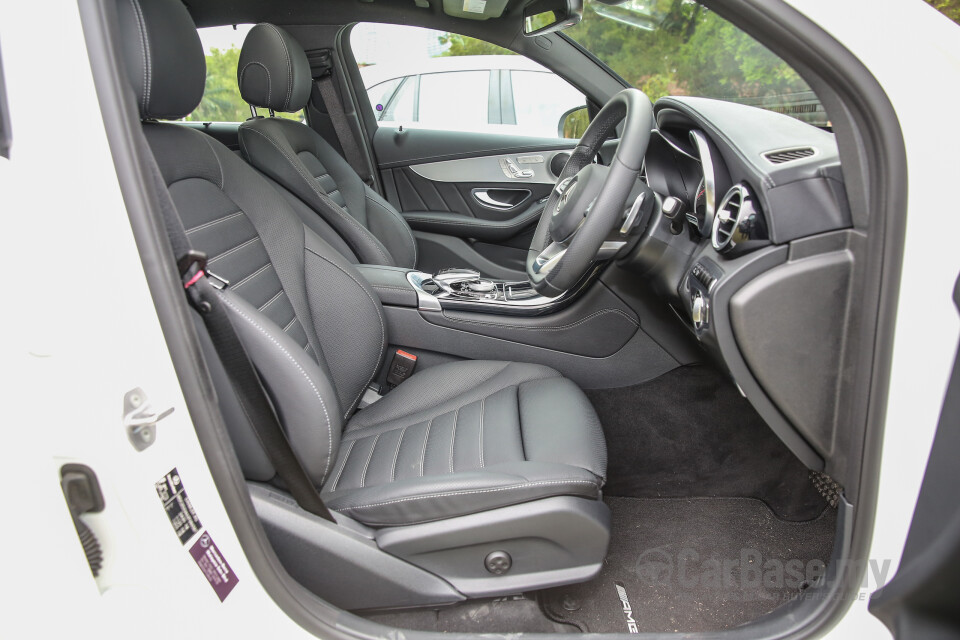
(565, 191)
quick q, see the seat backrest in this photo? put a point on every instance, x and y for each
(274, 73)
(314, 330)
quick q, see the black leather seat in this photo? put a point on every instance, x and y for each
(273, 73)
(470, 437)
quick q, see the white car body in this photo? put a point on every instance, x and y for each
(80, 330)
(464, 112)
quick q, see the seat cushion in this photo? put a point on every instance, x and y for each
(466, 437)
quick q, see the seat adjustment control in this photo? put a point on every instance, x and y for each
(498, 562)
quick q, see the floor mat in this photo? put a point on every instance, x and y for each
(693, 564)
(689, 433)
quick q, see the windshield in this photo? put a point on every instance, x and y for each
(681, 48)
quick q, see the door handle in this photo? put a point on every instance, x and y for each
(509, 198)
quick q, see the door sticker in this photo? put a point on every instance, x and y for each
(177, 504)
(215, 569)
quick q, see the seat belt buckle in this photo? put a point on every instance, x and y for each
(193, 266)
(401, 367)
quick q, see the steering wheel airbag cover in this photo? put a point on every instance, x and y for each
(636, 111)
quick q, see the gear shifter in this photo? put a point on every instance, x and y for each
(463, 282)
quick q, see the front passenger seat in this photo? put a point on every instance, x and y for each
(273, 73)
(464, 462)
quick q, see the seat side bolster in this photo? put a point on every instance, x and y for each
(266, 144)
(348, 316)
(301, 392)
(386, 223)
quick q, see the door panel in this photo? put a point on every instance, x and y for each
(473, 179)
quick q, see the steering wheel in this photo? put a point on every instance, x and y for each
(587, 203)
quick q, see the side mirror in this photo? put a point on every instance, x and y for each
(573, 123)
(545, 16)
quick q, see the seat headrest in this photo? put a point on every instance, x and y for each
(273, 71)
(163, 56)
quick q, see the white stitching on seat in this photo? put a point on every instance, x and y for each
(558, 328)
(346, 458)
(205, 225)
(396, 454)
(403, 223)
(267, 71)
(233, 250)
(320, 194)
(453, 436)
(481, 431)
(363, 476)
(290, 324)
(426, 439)
(299, 368)
(522, 485)
(383, 329)
(286, 102)
(272, 300)
(217, 158)
(251, 276)
(145, 46)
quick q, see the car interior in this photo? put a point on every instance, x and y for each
(603, 384)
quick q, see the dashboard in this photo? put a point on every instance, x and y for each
(744, 195)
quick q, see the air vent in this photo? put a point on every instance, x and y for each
(728, 229)
(788, 155)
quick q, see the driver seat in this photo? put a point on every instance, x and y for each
(459, 444)
(273, 73)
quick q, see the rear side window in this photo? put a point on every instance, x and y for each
(221, 94)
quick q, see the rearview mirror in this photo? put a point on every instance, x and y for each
(544, 16)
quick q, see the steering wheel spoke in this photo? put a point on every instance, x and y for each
(549, 258)
(602, 191)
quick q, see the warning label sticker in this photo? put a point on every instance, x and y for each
(216, 570)
(177, 505)
(474, 6)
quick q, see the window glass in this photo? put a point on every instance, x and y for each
(457, 100)
(221, 95)
(669, 47)
(380, 94)
(400, 106)
(540, 100)
(463, 84)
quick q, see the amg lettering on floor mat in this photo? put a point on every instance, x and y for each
(627, 609)
(177, 505)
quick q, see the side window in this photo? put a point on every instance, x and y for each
(221, 94)
(429, 79)
(457, 100)
(540, 99)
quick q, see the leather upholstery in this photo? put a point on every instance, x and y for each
(273, 71)
(455, 224)
(453, 439)
(165, 63)
(300, 160)
(464, 437)
(391, 284)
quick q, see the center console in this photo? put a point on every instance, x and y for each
(466, 290)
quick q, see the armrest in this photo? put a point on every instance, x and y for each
(456, 224)
(390, 283)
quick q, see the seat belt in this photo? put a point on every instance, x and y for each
(321, 66)
(203, 297)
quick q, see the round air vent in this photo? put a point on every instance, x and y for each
(730, 225)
